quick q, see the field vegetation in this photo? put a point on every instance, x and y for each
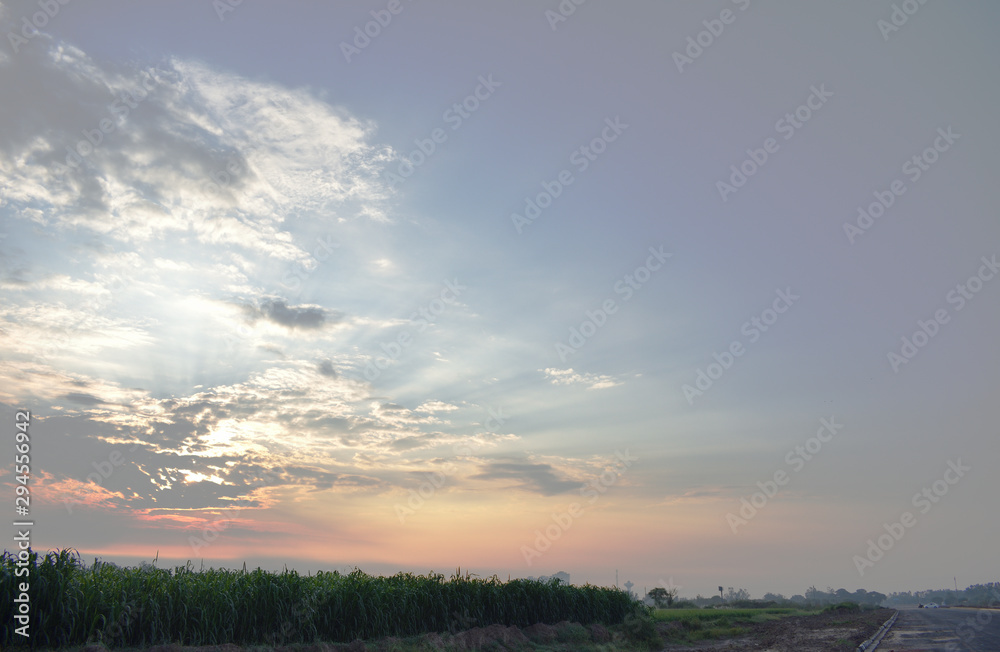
(73, 604)
(698, 624)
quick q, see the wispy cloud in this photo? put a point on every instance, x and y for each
(570, 377)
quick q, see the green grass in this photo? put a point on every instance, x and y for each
(729, 615)
(74, 605)
(690, 625)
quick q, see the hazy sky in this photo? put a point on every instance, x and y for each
(518, 287)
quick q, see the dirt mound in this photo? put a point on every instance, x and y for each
(541, 633)
(599, 634)
(487, 637)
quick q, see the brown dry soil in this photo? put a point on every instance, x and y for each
(826, 632)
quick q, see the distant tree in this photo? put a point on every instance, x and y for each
(737, 594)
(662, 597)
(902, 597)
(874, 597)
(775, 597)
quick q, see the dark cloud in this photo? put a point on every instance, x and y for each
(325, 367)
(539, 478)
(305, 317)
(272, 348)
(82, 399)
(16, 277)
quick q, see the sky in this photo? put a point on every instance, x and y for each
(700, 294)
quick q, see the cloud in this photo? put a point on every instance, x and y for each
(325, 368)
(304, 317)
(82, 399)
(436, 406)
(416, 442)
(700, 495)
(55, 331)
(537, 478)
(38, 384)
(570, 377)
(159, 325)
(184, 148)
(289, 426)
(201, 186)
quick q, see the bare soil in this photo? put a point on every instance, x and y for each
(825, 632)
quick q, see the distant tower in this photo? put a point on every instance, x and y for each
(628, 586)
